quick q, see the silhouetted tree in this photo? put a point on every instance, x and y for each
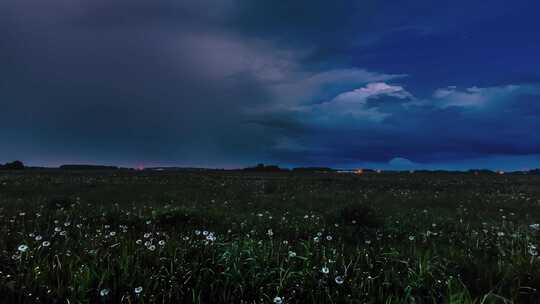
(15, 165)
(265, 168)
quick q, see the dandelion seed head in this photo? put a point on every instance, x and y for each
(532, 250)
(325, 270)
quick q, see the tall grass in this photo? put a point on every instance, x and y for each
(125, 237)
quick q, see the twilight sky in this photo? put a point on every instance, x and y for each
(385, 84)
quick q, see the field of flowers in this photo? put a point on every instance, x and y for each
(238, 237)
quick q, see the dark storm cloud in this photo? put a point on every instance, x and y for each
(233, 82)
(161, 81)
(303, 21)
(126, 82)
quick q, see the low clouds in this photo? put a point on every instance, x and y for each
(373, 90)
(351, 106)
(475, 97)
(354, 104)
(381, 122)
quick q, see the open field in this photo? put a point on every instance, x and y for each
(238, 237)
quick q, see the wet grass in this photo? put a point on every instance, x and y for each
(230, 237)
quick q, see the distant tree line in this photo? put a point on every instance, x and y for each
(313, 169)
(275, 168)
(14, 165)
(535, 171)
(87, 167)
(265, 168)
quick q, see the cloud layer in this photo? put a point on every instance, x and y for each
(234, 82)
(380, 122)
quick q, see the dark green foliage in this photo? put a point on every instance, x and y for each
(361, 215)
(248, 237)
(60, 202)
(182, 217)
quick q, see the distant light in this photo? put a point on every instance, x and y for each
(378, 171)
(359, 172)
(411, 171)
(501, 172)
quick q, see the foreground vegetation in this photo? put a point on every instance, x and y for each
(233, 237)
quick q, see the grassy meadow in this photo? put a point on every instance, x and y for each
(246, 237)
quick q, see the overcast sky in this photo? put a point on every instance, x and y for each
(386, 84)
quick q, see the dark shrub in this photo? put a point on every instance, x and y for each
(16, 165)
(181, 217)
(58, 202)
(361, 215)
(270, 187)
